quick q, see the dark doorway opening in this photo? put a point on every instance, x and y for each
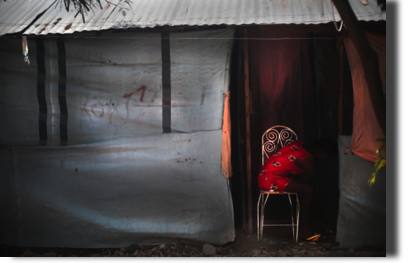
(321, 57)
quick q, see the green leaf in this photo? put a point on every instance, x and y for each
(381, 162)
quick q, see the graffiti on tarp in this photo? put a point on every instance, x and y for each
(142, 88)
(129, 96)
(104, 107)
(95, 106)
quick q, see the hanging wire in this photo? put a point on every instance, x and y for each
(333, 16)
(340, 28)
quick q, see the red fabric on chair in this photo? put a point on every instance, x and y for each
(290, 146)
(274, 174)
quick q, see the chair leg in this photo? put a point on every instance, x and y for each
(293, 221)
(258, 222)
(297, 219)
(261, 214)
(263, 207)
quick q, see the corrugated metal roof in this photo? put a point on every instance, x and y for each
(16, 15)
(151, 13)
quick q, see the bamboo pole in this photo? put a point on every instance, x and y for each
(248, 141)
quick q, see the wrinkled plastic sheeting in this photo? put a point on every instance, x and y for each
(362, 210)
(8, 199)
(120, 180)
(146, 190)
(114, 86)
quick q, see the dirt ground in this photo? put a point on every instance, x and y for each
(277, 242)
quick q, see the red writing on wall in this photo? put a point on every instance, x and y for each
(142, 89)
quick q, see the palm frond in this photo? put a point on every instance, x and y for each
(83, 7)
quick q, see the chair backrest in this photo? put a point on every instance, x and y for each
(274, 139)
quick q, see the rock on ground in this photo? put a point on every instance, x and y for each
(130, 249)
(209, 250)
(256, 252)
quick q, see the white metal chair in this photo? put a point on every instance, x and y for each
(273, 139)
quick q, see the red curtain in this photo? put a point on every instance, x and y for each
(280, 71)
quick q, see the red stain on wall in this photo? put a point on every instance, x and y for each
(142, 88)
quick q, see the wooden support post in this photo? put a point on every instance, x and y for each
(248, 141)
(341, 85)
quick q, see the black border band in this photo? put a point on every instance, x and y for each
(166, 84)
(63, 125)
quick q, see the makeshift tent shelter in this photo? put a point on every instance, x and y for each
(115, 137)
(112, 167)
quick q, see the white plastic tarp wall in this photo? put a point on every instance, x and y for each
(362, 210)
(120, 179)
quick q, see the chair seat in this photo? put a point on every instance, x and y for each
(277, 192)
